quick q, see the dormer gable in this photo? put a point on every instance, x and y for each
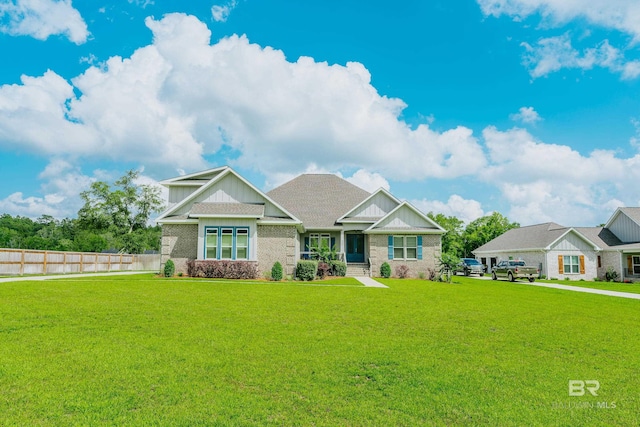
(405, 218)
(225, 188)
(372, 209)
(625, 224)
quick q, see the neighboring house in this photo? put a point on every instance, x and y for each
(573, 252)
(219, 215)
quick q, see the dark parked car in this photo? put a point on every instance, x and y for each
(470, 266)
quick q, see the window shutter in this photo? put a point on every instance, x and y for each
(419, 247)
(581, 264)
(333, 243)
(390, 247)
(560, 264)
(306, 247)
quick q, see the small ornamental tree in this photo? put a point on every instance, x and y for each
(385, 270)
(447, 265)
(276, 271)
(169, 268)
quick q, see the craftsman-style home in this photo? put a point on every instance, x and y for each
(219, 215)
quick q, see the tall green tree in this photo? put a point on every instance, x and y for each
(452, 240)
(122, 211)
(485, 229)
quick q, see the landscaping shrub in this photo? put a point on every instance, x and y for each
(306, 270)
(276, 271)
(431, 274)
(323, 269)
(611, 275)
(402, 271)
(169, 268)
(338, 268)
(385, 270)
(223, 269)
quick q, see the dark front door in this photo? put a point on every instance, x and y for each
(355, 247)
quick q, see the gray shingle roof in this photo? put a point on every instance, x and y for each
(600, 236)
(530, 237)
(318, 200)
(542, 235)
(227, 209)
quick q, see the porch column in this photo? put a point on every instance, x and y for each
(342, 246)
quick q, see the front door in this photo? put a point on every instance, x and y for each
(355, 247)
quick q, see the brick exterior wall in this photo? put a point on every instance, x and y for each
(379, 253)
(277, 243)
(611, 259)
(180, 244)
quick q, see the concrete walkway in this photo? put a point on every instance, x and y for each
(369, 282)
(70, 276)
(618, 294)
(586, 290)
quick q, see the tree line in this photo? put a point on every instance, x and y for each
(113, 218)
(460, 241)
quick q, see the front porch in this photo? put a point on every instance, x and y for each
(345, 246)
(632, 270)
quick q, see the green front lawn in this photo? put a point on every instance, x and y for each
(140, 350)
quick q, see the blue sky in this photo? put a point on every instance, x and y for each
(464, 107)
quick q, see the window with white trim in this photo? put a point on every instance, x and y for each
(405, 247)
(211, 243)
(571, 264)
(226, 243)
(242, 243)
(636, 264)
(318, 241)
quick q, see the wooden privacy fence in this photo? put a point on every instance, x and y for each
(24, 261)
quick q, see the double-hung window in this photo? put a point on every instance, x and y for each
(242, 243)
(318, 241)
(226, 243)
(211, 243)
(571, 264)
(405, 247)
(636, 264)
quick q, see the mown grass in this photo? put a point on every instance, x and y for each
(139, 350)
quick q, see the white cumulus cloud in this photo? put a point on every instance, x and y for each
(621, 15)
(181, 99)
(543, 181)
(43, 18)
(369, 181)
(551, 54)
(526, 115)
(220, 13)
(466, 210)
